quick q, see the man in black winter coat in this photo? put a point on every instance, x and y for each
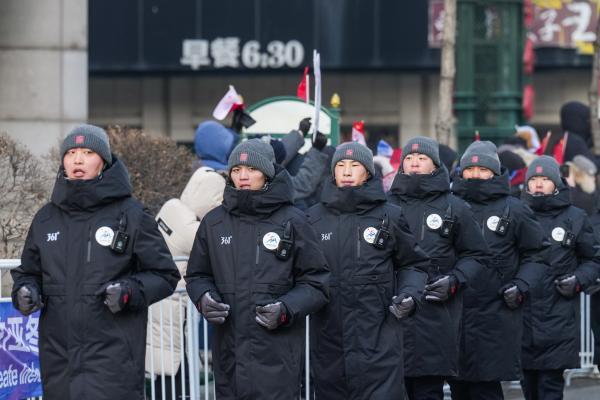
(256, 271)
(378, 274)
(93, 262)
(445, 228)
(490, 350)
(551, 319)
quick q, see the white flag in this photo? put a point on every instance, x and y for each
(229, 100)
(317, 73)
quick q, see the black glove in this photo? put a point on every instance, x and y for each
(28, 299)
(272, 315)
(441, 289)
(213, 310)
(320, 141)
(568, 286)
(116, 295)
(593, 289)
(402, 306)
(304, 126)
(513, 297)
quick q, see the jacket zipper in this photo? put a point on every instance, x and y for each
(358, 242)
(89, 246)
(423, 227)
(257, 247)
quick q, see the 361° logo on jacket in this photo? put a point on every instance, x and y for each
(52, 237)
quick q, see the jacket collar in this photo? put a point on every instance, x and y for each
(89, 195)
(421, 186)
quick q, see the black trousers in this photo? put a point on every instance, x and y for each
(465, 390)
(425, 387)
(543, 384)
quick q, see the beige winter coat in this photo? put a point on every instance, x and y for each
(178, 221)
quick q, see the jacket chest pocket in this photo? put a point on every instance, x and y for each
(371, 259)
(103, 259)
(271, 262)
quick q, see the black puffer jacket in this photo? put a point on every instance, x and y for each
(491, 339)
(551, 321)
(86, 352)
(231, 259)
(431, 336)
(356, 342)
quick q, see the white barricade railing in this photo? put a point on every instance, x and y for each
(183, 331)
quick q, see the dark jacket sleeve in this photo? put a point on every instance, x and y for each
(292, 142)
(30, 270)
(470, 246)
(156, 274)
(311, 273)
(587, 250)
(199, 277)
(533, 247)
(410, 260)
(310, 174)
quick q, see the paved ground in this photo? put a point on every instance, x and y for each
(580, 389)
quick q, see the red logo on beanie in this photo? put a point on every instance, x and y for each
(475, 159)
(349, 152)
(415, 146)
(539, 169)
(79, 139)
(243, 157)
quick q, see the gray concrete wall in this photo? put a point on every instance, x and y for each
(43, 69)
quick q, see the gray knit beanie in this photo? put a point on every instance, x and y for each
(544, 166)
(354, 151)
(423, 145)
(89, 137)
(481, 154)
(254, 153)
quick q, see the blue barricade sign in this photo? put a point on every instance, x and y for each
(19, 350)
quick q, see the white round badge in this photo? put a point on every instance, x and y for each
(492, 223)
(369, 234)
(271, 240)
(558, 234)
(434, 221)
(104, 236)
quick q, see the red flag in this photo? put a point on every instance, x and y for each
(301, 91)
(528, 101)
(542, 149)
(358, 132)
(558, 152)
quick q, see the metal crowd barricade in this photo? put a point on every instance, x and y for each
(194, 356)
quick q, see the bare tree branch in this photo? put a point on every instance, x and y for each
(444, 124)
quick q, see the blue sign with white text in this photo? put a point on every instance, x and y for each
(19, 350)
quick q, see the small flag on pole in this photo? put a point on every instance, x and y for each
(301, 92)
(225, 105)
(317, 73)
(358, 132)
